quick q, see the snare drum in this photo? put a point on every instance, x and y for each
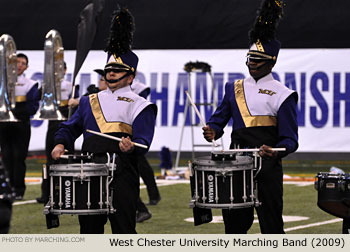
(334, 193)
(225, 183)
(80, 189)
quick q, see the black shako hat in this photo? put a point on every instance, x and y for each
(120, 57)
(262, 36)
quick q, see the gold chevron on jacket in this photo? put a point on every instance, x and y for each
(249, 120)
(104, 126)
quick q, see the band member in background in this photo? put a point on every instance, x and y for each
(102, 85)
(53, 125)
(145, 169)
(133, 121)
(15, 136)
(92, 89)
(264, 115)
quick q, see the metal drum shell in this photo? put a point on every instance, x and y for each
(84, 176)
(222, 170)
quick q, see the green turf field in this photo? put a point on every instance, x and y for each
(170, 214)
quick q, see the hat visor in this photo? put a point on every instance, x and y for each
(259, 55)
(100, 71)
(118, 67)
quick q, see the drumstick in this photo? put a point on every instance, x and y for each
(199, 114)
(254, 150)
(115, 138)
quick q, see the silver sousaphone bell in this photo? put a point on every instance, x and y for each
(53, 76)
(8, 78)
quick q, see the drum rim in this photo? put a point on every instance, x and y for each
(333, 175)
(87, 167)
(77, 174)
(206, 160)
(224, 169)
(227, 205)
(79, 165)
(81, 211)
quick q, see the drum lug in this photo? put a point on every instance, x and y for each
(192, 203)
(341, 185)
(231, 199)
(217, 200)
(257, 203)
(112, 210)
(51, 202)
(47, 208)
(321, 183)
(196, 198)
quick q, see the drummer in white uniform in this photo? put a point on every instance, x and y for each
(264, 115)
(116, 111)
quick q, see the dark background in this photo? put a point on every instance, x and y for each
(180, 24)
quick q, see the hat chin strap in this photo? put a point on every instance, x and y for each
(119, 79)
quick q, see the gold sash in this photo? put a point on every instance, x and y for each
(21, 98)
(249, 120)
(106, 127)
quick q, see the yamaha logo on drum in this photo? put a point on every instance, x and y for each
(210, 188)
(68, 193)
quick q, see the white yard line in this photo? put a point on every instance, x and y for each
(24, 202)
(313, 225)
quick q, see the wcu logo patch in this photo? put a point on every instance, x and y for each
(125, 99)
(266, 91)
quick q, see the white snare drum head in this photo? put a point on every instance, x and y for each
(91, 169)
(206, 163)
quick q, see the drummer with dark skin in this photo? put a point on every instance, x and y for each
(264, 116)
(257, 69)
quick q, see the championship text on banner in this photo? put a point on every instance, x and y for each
(320, 76)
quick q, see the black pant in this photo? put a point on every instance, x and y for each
(14, 142)
(126, 189)
(141, 207)
(5, 216)
(147, 175)
(270, 194)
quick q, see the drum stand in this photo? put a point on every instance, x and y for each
(198, 67)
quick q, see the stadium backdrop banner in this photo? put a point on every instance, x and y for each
(320, 76)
